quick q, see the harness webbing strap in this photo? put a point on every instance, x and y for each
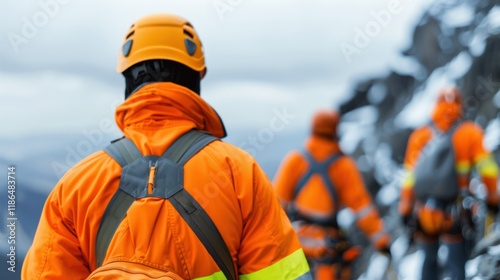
(320, 168)
(125, 153)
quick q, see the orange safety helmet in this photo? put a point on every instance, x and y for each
(162, 36)
(448, 108)
(325, 123)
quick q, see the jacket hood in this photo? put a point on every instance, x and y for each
(446, 114)
(158, 107)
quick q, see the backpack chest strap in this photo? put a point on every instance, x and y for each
(320, 168)
(167, 183)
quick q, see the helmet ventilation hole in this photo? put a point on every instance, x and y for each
(189, 34)
(130, 34)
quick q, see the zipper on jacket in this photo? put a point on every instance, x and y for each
(151, 179)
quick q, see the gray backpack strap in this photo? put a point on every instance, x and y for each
(187, 146)
(191, 211)
(205, 229)
(124, 152)
(169, 185)
(320, 168)
(112, 218)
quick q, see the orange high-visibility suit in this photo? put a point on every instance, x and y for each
(315, 203)
(225, 180)
(469, 150)
(467, 142)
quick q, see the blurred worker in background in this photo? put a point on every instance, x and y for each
(438, 163)
(313, 184)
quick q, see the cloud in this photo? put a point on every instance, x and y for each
(262, 56)
(251, 105)
(48, 102)
(254, 36)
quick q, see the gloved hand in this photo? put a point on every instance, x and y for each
(492, 208)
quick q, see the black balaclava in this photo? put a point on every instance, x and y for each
(160, 71)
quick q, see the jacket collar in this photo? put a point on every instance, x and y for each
(164, 105)
(321, 147)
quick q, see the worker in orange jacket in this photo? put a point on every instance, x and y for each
(313, 185)
(162, 61)
(437, 214)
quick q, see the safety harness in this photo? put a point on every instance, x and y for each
(161, 177)
(320, 168)
(340, 244)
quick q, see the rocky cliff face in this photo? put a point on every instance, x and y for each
(455, 42)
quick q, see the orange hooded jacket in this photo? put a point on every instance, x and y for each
(226, 181)
(315, 200)
(467, 142)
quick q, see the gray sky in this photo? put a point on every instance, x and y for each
(58, 57)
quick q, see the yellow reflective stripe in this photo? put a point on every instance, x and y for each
(216, 276)
(487, 167)
(291, 267)
(481, 157)
(408, 179)
(463, 167)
